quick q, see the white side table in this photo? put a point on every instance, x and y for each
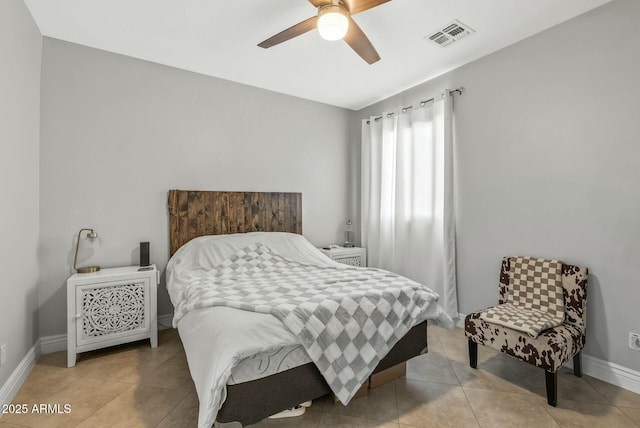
(352, 256)
(109, 307)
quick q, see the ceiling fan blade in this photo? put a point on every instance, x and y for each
(291, 32)
(357, 6)
(318, 3)
(360, 43)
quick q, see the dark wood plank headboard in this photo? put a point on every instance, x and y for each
(194, 213)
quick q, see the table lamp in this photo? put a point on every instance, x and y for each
(86, 269)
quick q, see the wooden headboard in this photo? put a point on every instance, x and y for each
(194, 213)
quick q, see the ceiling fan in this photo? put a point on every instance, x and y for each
(334, 22)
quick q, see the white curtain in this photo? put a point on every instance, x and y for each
(407, 196)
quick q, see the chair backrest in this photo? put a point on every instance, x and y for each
(574, 284)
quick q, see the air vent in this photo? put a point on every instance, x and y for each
(450, 33)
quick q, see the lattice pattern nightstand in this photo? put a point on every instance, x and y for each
(354, 256)
(110, 307)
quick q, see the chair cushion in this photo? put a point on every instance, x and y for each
(535, 299)
(550, 350)
(529, 321)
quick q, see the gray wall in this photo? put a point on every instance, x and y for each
(547, 164)
(118, 133)
(20, 53)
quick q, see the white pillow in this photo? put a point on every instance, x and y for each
(209, 251)
(206, 252)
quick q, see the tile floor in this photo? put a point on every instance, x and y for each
(136, 386)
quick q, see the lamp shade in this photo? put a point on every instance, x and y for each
(333, 22)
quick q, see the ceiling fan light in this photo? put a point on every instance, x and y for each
(333, 22)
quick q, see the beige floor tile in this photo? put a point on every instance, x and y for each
(116, 352)
(318, 404)
(227, 425)
(125, 363)
(133, 385)
(456, 333)
(128, 367)
(457, 349)
(634, 414)
(570, 387)
(42, 382)
(331, 420)
(433, 366)
(139, 406)
(55, 359)
(185, 415)
(527, 377)
(580, 414)
(576, 388)
(132, 372)
(507, 409)
(170, 343)
(168, 335)
(164, 351)
(310, 419)
(83, 398)
(434, 344)
(429, 404)
(170, 375)
(434, 330)
(491, 374)
(616, 395)
(379, 404)
(36, 416)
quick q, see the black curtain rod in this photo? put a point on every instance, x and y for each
(459, 90)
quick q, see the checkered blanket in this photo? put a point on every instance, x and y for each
(347, 318)
(535, 299)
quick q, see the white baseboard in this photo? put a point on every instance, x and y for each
(165, 321)
(56, 343)
(460, 322)
(612, 373)
(19, 375)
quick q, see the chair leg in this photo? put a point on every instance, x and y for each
(577, 364)
(552, 387)
(473, 354)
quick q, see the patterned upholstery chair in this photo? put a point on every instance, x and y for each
(554, 346)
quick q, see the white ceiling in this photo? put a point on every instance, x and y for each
(219, 38)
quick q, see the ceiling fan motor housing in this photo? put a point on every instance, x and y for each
(333, 21)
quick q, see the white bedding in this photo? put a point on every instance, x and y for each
(216, 339)
(267, 363)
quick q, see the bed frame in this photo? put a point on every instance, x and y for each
(194, 213)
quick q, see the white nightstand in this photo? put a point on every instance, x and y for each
(353, 256)
(110, 307)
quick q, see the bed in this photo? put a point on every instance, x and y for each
(198, 217)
